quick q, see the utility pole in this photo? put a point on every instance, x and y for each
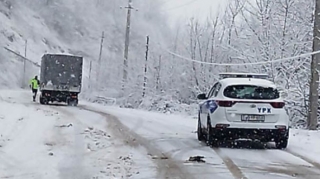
(25, 48)
(158, 74)
(101, 46)
(126, 47)
(99, 60)
(24, 63)
(90, 69)
(145, 68)
(312, 120)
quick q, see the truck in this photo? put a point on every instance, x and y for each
(60, 78)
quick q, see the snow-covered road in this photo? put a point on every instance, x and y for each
(175, 136)
(93, 142)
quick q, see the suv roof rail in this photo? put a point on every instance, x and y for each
(243, 75)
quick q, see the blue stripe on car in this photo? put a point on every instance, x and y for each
(211, 105)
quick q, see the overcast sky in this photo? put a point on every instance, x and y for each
(183, 9)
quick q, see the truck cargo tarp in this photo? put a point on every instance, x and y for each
(61, 72)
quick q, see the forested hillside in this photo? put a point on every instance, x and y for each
(248, 34)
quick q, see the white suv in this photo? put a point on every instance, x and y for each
(243, 107)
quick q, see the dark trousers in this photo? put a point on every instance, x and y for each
(34, 91)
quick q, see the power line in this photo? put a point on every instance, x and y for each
(244, 64)
(165, 2)
(188, 3)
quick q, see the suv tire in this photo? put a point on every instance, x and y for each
(282, 143)
(201, 137)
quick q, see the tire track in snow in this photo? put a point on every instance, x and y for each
(233, 168)
(167, 168)
(80, 142)
(315, 164)
(74, 166)
(291, 170)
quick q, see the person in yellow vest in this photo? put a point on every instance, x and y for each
(34, 85)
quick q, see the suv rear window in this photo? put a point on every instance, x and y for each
(250, 92)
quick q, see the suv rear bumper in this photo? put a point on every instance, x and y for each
(264, 135)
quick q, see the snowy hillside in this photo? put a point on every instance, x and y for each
(74, 27)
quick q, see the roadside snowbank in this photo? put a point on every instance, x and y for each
(163, 104)
(56, 141)
(305, 143)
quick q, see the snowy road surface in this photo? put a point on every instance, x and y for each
(95, 142)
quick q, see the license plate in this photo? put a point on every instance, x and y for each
(252, 118)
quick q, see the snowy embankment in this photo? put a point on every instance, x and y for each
(306, 143)
(161, 104)
(55, 142)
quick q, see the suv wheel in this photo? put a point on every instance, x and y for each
(209, 134)
(282, 143)
(199, 130)
(211, 141)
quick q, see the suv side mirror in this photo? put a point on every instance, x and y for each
(202, 96)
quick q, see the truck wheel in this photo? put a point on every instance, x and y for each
(72, 102)
(69, 101)
(43, 101)
(76, 103)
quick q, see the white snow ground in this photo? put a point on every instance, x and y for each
(55, 142)
(109, 142)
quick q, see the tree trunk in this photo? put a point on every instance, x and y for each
(314, 82)
(158, 82)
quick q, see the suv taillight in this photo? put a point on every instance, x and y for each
(221, 126)
(277, 104)
(225, 103)
(231, 103)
